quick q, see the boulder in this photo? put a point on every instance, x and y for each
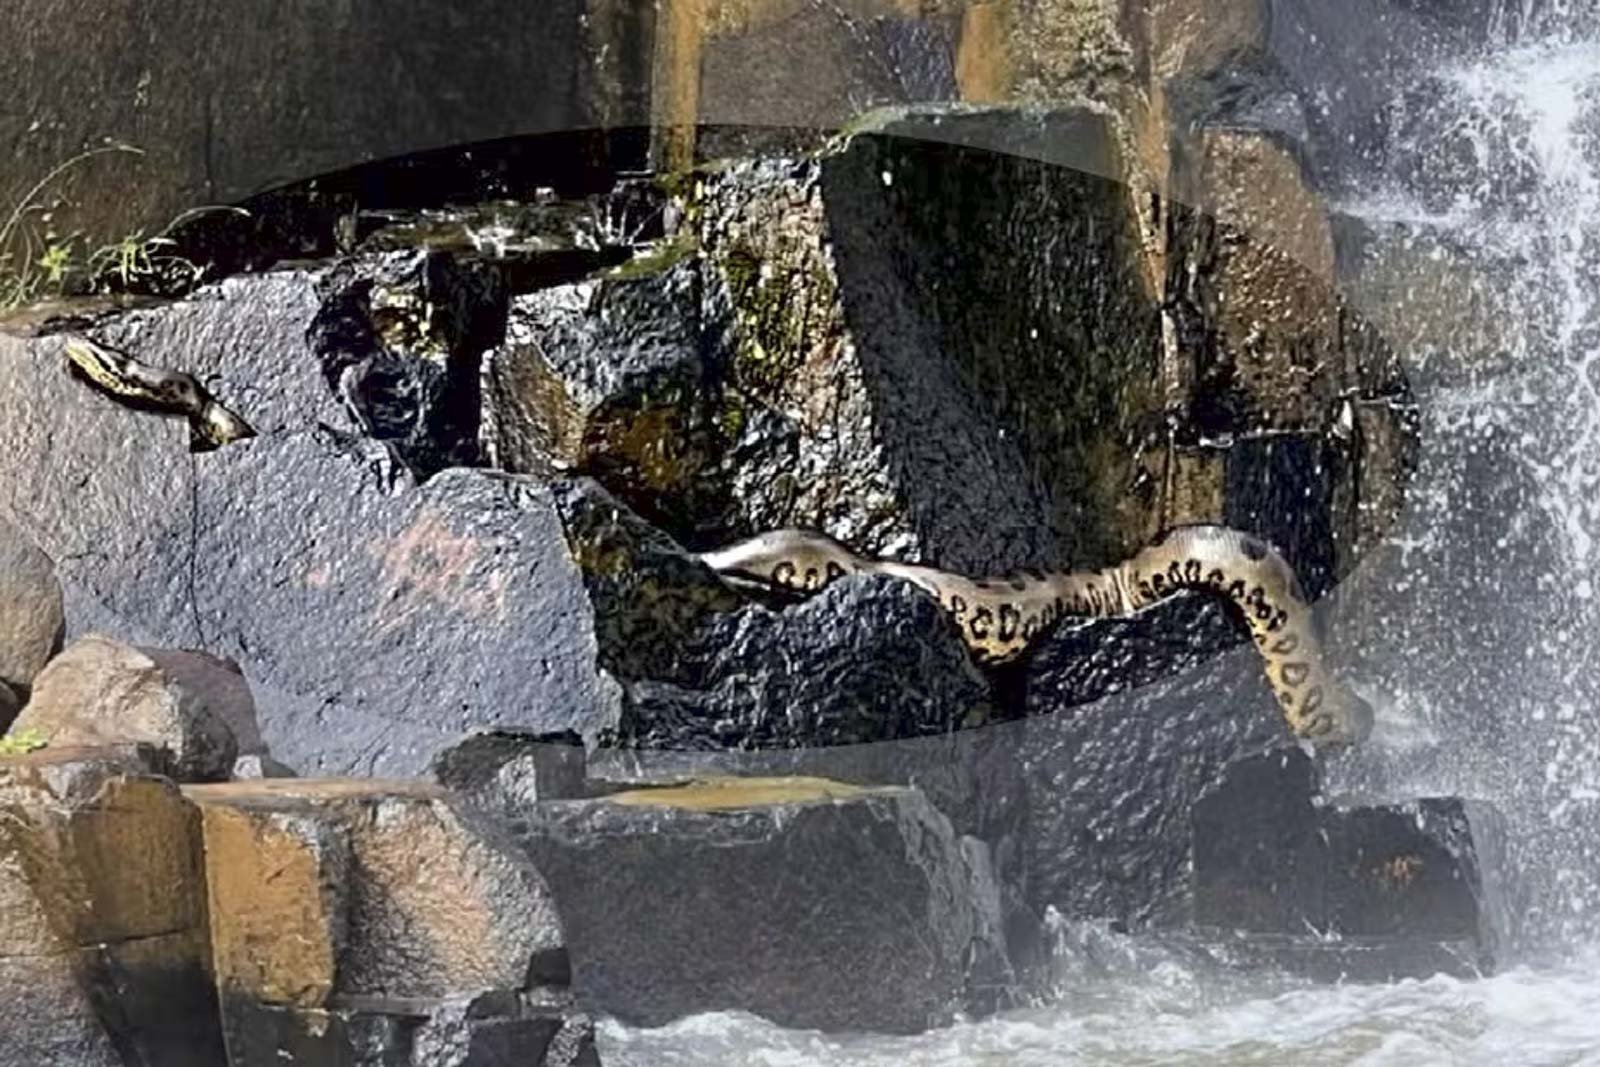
(187, 706)
(103, 941)
(867, 659)
(812, 903)
(31, 618)
(350, 912)
(251, 340)
(502, 770)
(867, 396)
(1372, 892)
(315, 563)
(609, 377)
(1129, 722)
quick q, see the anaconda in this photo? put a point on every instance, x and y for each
(1000, 617)
(211, 425)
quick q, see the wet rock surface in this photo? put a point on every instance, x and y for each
(700, 667)
(969, 336)
(1383, 890)
(814, 904)
(1129, 723)
(610, 377)
(261, 553)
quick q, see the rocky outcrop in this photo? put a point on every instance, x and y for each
(190, 708)
(812, 903)
(103, 946)
(31, 620)
(610, 376)
(312, 561)
(349, 912)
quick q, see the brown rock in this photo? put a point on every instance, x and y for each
(102, 918)
(30, 610)
(100, 691)
(332, 888)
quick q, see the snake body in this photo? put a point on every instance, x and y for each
(211, 425)
(999, 617)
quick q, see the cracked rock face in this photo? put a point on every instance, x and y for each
(346, 914)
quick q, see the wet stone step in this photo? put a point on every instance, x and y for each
(810, 902)
(1369, 892)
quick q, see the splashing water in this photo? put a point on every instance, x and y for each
(1480, 623)
(1169, 1014)
(1475, 629)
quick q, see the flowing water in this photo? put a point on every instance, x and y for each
(1475, 635)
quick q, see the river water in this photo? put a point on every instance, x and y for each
(1474, 636)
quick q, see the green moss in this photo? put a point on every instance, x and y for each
(22, 742)
(776, 301)
(661, 257)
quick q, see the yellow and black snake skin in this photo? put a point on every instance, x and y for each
(211, 425)
(999, 617)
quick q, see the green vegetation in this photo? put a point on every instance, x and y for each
(22, 742)
(38, 262)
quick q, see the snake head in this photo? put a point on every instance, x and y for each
(216, 426)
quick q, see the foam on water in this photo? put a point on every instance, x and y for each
(1177, 1016)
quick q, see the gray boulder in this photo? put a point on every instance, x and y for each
(378, 620)
(1372, 892)
(375, 621)
(811, 903)
(1129, 722)
(867, 659)
(31, 618)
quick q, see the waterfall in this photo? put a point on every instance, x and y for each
(1478, 624)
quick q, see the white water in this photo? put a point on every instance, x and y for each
(1476, 637)
(1173, 1015)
